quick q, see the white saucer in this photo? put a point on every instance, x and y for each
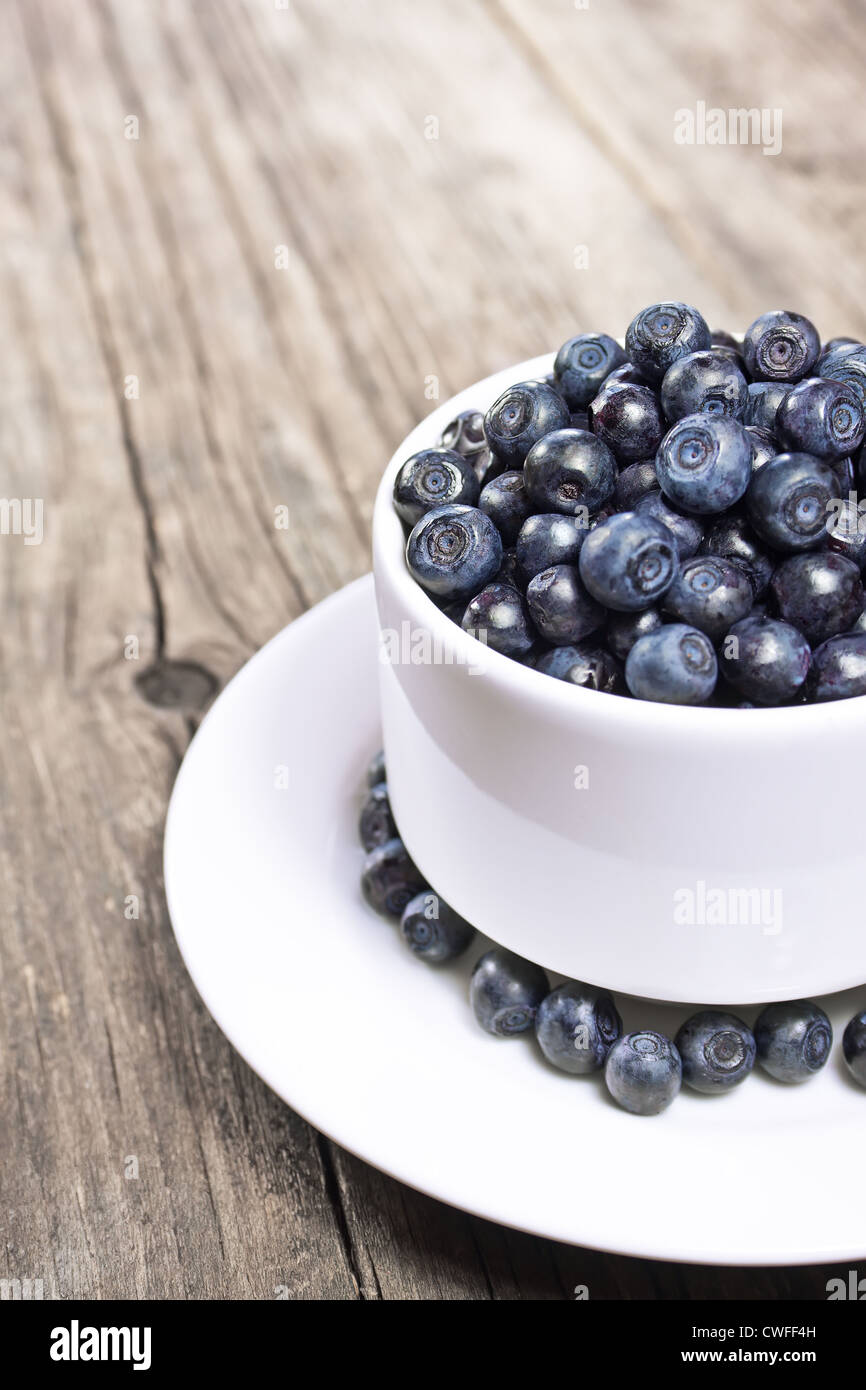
(382, 1053)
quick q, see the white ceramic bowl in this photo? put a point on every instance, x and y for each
(685, 854)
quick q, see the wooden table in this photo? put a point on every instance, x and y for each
(246, 246)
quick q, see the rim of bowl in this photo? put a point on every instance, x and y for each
(515, 680)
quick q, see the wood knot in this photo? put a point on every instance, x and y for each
(176, 685)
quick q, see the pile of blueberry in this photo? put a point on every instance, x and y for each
(677, 521)
(576, 1025)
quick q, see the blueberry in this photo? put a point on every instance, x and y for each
(643, 1072)
(628, 419)
(582, 364)
(505, 501)
(820, 595)
(521, 416)
(848, 365)
(675, 666)
(498, 616)
(793, 1040)
(628, 373)
(764, 446)
(720, 339)
(763, 402)
(561, 608)
(487, 466)
(549, 539)
(624, 629)
(704, 383)
(781, 346)
(732, 538)
(846, 530)
(659, 336)
(433, 478)
(704, 463)
(576, 1026)
(839, 668)
(433, 931)
(830, 347)
(465, 434)
(586, 665)
(376, 769)
(709, 593)
(846, 473)
(766, 660)
(509, 571)
(505, 992)
(570, 471)
(823, 418)
(390, 879)
(854, 1047)
(687, 531)
(376, 823)
(717, 1051)
(788, 501)
(634, 482)
(628, 562)
(454, 551)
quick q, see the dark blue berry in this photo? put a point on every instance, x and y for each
(561, 608)
(710, 593)
(687, 531)
(509, 571)
(628, 373)
(732, 538)
(376, 769)
(820, 595)
(643, 1072)
(465, 434)
(660, 335)
(576, 1026)
(505, 992)
(498, 616)
(854, 1047)
(766, 660)
(628, 562)
(848, 365)
(839, 668)
(764, 446)
(634, 482)
(390, 879)
(487, 466)
(788, 501)
(586, 665)
(628, 419)
(763, 401)
(583, 363)
(570, 471)
(454, 551)
(505, 501)
(793, 1040)
(521, 416)
(624, 629)
(675, 666)
(549, 539)
(824, 418)
(433, 931)
(704, 463)
(717, 1051)
(781, 346)
(704, 383)
(433, 478)
(846, 473)
(846, 531)
(376, 823)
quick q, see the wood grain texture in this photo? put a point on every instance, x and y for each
(241, 309)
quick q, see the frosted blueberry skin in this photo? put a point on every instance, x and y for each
(433, 931)
(686, 530)
(390, 879)
(793, 1040)
(561, 608)
(823, 418)
(576, 1025)
(547, 539)
(854, 1047)
(583, 363)
(376, 823)
(820, 595)
(505, 992)
(628, 562)
(763, 401)
(634, 482)
(568, 471)
(584, 664)
(848, 365)
(781, 346)
(704, 383)
(711, 594)
(717, 1051)
(624, 629)
(498, 616)
(643, 1072)
(674, 666)
(838, 669)
(628, 419)
(789, 501)
(764, 446)
(704, 463)
(732, 538)
(376, 769)
(454, 551)
(505, 501)
(521, 416)
(433, 478)
(659, 336)
(768, 662)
